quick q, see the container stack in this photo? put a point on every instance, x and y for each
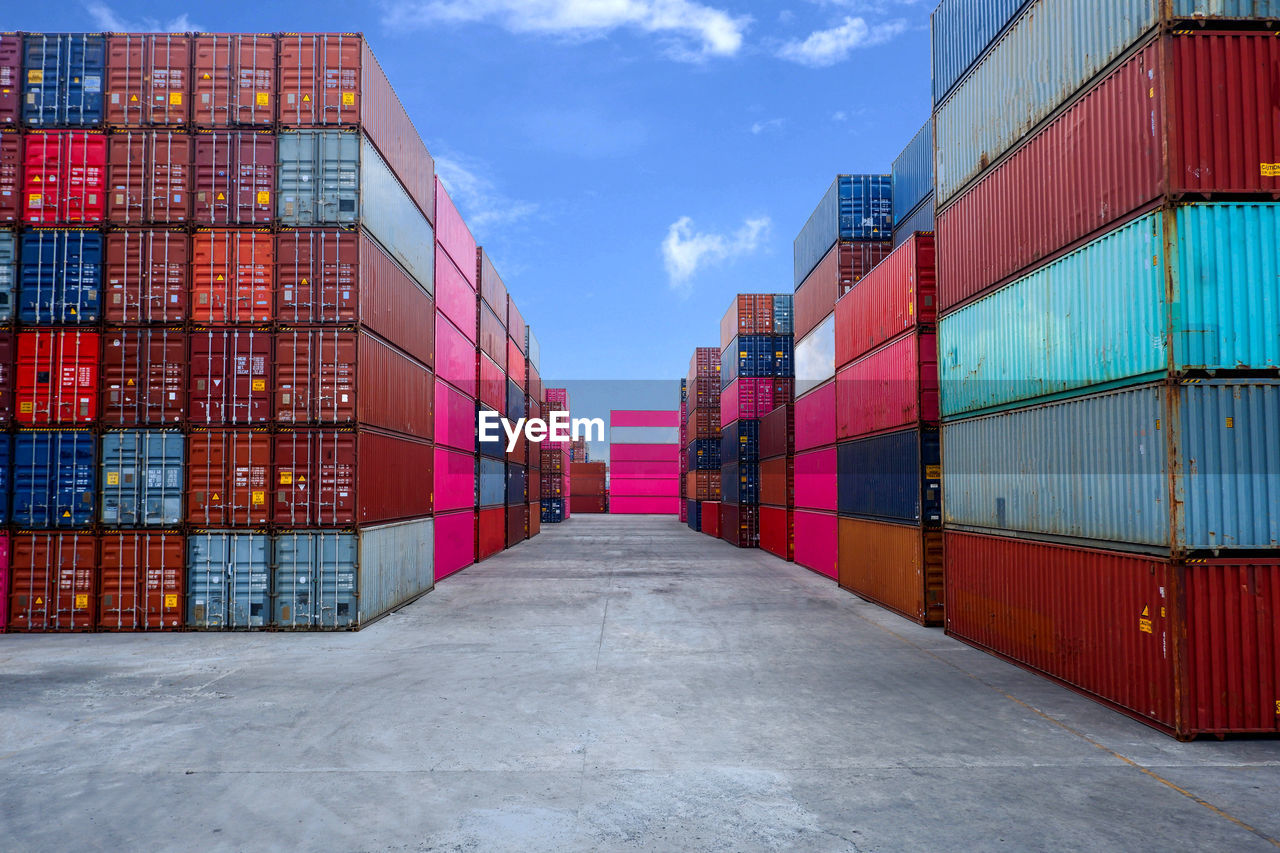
(556, 485)
(777, 481)
(913, 186)
(644, 449)
(533, 389)
(887, 452)
(757, 371)
(702, 439)
(578, 450)
(491, 380)
(682, 456)
(1109, 358)
(589, 487)
(517, 407)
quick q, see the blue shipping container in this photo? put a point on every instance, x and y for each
(515, 402)
(1102, 314)
(62, 79)
(517, 484)
(142, 478)
(61, 277)
(315, 580)
(693, 513)
(8, 274)
(749, 357)
(784, 314)
(228, 579)
(54, 478)
(497, 447)
(552, 510)
(491, 483)
(740, 442)
(919, 220)
(782, 365)
(6, 475)
(740, 484)
(703, 454)
(962, 32)
(856, 207)
(895, 477)
(913, 175)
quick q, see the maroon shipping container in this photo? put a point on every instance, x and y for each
(777, 482)
(228, 477)
(315, 376)
(51, 581)
(587, 504)
(234, 177)
(492, 290)
(898, 566)
(778, 432)
(10, 80)
(396, 479)
(493, 385)
(1181, 119)
(10, 177)
(8, 352)
(841, 268)
(515, 326)
(778, 532)
(314, 478)
(491, 532)
(333, 80)
(493, 337)
(148, 80)
(147, 276)
(711, 517)
(1190, 648)
(230, 376)
(234, 80)
(533, 385)
(748, 314)
(515, 364)
(740, 525)
(703, 423)
(144, 376)
(517, 524)
(140, 583)
(899, 294)
(705, 364)
(889, 388)
(149, 177)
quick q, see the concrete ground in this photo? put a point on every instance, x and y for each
(616, 684)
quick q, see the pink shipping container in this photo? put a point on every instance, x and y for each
(666, 487)
(815, 480)
(642, 470)
(746, 398)
(455, 415)
(454, 237)
(816, 418)
(455, 296)
(619, 453)
(4, 581)
(455, 358)
(455, 480)
(896, 296)
(455, 542)
(889, 388)
(625, 505)
(817, 542)
(644, 419)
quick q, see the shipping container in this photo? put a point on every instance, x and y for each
(816, 418)
(230, 376)
(492, 289)
(455, 419)
(648, 469)
(141, 478)
(892, 477)
(517, 525)
(746, 398)
(739, 484)
(60, 282)
(840, 269)
(589, 504)
(491, 532)
(455, 295)
(777, 482)
(147, 80)
(890, 387)
(702, 424)
(784, 314)
(233, 79)
(234, 177)
(962, 32)
(638, 435)
(394, 485)
(492, 338)
(534, 513)
(493, 386)
(54, 478)
(739, 442)
(703, 485)
(147, 276)
(314, 579)
(777, 532)
(228, 477)
(63, 79)
(643, 453)
(778, 432)
(228, 579)
(740, 525)
(11, 177)
(898, 566)
(140, 581)
(395, 566)
(711, 519)
(816, 356)
(517, 488)
(455, 541)
(1187, 647)
(314, 480)
(1165, 468)
(899, 294)
(51, 581)
(921, 221)
(455, 480)
(552, 510)
(816, 483)
(693, 515)
(702, 454)
(57, 377)
(6, 480)
(515, 370)
(515, 334)
(233, 276)
(334, 177)
(855, 207)
(491, 482)
(816, 542)
(533, 350)
(10, 111)
(636, 487)
(144, 377)
(913, 174)
(8, 348)
(748, 314)
(633, 505)
(454, 238)
(333, 80)
(149, 177)
(748, 357)
(8, 274)
(64, 177)
(705, 392)
(315, 375)
(455, 358)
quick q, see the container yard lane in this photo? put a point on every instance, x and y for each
(618, 682)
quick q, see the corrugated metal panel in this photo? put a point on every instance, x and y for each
(533, 348)
(912, 173)
(147, 79)
(142, 478)
(6, 480)
(1097, 468)
(962, 31)
(57, 376)
(235, 177)
(517, 485)
(314, 580)
(51, 582)
(894, 477)
(55, 477)
(491, 483)
(149, 177)
(816, 418)
(891, 387)
(817, 542)
(921, 220)
(784, 314)
(147, 276)
(454, 542)
(61, 277)
(11, 176)
(899, 294)
(897, 566)
(233, 79)
(8, 274)
(141, 581)
(855, 207)
(644, 435)
(228, 579)
(314, 480)
(740, 442)
(144, 376)
(816, 356)
(64, 78)
(10, 113)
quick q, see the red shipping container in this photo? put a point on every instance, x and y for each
(493, 385)
(148, 79)
(4, 581)
(711, 518)
(493, 336)
(777, 532)
(740, 525)
(535, 519)
(1192, 648)
(333, 80)
(816, 418)
(51, 581)
(515, 329)
(816, 542)
(144, 377)
(491, 287)
(702, 485)
(517, 524)
(889, 388)
(455, 296)
(396, 477)
(453, 237)
(816, 483)
(7, 352)
(147, 274)
(64, 177)
(534, 480)
(233, 80)
(149, 177)
(230, 376)
(455, 542)
(140, 583)
(234, 177)
(748, 314)
(228, 477)
(233, 276)
(588, 504)
(705, 364)
(10, 177)
(897, 566)
(57, 377)
(10, 87)
(746, 398)
(840, 269)
(777, 482)
(455, 358)
(897, 295)
(491, 532)
(778, 432)
(315, 477)
(1180, 119)
(534, 385)
(315, 376)
(515, 364)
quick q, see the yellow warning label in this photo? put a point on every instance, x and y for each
(170, 601)
(175, 98)
(129, 383)
(82, 601)
(215, 497)
(933, 472)
(35, 75)
(348, 99)
(66, 513)
(33, 199)
(1271, 170)
(113, 478)
(133, 99)
(259, 498)
(206, 76)
(1278, 707)
(262, 99)
(304, 282)
(286, 478)
(39, 600)
(264, 197)
(259, 384)
(1144, 621)
(26, 407)
(218, 277)
(1231, 423)
(302, 479)
(306, 99)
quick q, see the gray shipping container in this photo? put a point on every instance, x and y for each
(816, 356)
(315, 579)
(919, 220)
(142, 478)
(1103, 468)
(533, 348)
(337, 178)
(8, 274)
(228, 579)
(396, 566)
(491, 483)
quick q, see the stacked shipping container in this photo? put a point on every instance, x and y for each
(644, 449)
(589, 487)
(702, 438)
(557, 487)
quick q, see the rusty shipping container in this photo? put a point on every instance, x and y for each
(230, 376)
(147, 276)
(898, 566)
(10, 177)
(149, 177)
(233, 80)
(228, 477)
(144, 376)
(233, 276)
(840, 269)
(1190, 648)
(140, 584)
(10, 80)
(148, 79)
(51, 581)
(234, 177)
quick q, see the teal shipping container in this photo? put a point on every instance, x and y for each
(142, 478)
(1192, 288)
(1172, 469)
(228, 579)
(396, 565)
(315, 580)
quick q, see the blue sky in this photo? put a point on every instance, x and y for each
(630, 164)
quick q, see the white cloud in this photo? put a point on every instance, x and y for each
(684, 250)
(760, 127)
(824, 48)
(714, 32)
(479, 200)
(839, 115)
(106, 20)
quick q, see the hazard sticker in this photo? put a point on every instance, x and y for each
(259, 498)
(113, 478)
(175, 98)
(286, 478)
(26, 407)
(263, 99)
(1144, 621)
(348, 99)
(259, 384)
(82, 601)
(264, 197)
(170, 602)
(1271, 170)
(35, 75)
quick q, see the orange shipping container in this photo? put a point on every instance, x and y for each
(897, 566)
(140, 584)
(148, 79)
(233, 276)
(228, 477)
(51, 581)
